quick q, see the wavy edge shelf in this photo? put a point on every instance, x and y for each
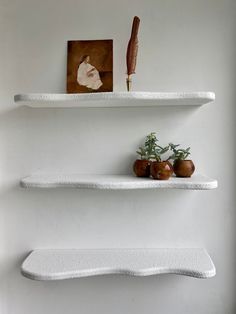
(123, 99)
(116, 182)
(56, 264)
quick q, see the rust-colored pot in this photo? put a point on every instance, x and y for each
(171, 166)
(183, 168)
(141, 167)
(161, 170)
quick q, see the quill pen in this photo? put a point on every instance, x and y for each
(132, 51)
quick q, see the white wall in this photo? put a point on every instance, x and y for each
(185, 45)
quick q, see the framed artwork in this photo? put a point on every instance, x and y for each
(89, 66)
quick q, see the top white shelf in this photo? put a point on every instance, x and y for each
(115, 99)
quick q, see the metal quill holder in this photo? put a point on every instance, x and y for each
(132, 51)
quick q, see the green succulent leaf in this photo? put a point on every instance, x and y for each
(179, 153)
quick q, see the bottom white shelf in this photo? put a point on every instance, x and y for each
(116, 182)
(64, 264)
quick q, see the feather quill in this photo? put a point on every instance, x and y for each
(132, 51)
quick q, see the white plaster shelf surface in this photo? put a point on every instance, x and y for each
(115, 99)
(59, 264)
(116, 182)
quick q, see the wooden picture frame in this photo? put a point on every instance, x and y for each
(90, 66)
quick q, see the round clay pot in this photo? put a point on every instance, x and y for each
(171, 166)
(183, 168)
(161, 170)
(142, 168)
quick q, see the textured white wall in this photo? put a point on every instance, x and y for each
(185, 45)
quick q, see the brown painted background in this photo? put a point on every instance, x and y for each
(101, 56)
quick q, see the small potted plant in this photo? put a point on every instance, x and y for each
(141, 166)
(182, 167)
(161, 170)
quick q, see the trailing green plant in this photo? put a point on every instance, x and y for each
(148, 150)
(178, 153)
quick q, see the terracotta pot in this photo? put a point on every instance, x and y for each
(183, 168)
(142, 168)
(171, 166)
(161, 170)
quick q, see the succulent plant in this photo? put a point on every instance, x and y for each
(160, 151)
(151, 150)
(143, 153)
(178, 153)
(148, 150)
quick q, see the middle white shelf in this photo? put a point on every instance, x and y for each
(116, 182)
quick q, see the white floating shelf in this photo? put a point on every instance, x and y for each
(64, 264)
(114, 99)
(116, 182)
